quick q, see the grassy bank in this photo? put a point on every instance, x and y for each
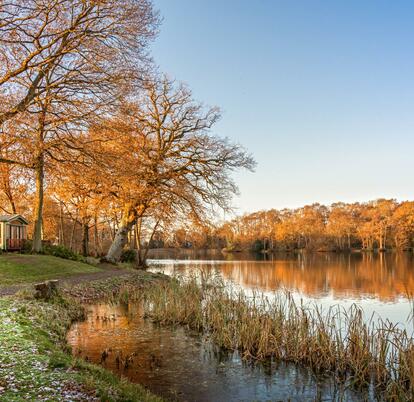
(35, 363)
(25, 268)
(335, 342)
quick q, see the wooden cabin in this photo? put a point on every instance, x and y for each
(13, 232)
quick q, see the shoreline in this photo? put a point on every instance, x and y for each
(259, 339)
(225, 252)
(35, 359)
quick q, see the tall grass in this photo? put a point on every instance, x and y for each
(339, 342)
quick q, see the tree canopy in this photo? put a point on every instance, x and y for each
(92, 136)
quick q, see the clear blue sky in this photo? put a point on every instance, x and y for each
(321, 92)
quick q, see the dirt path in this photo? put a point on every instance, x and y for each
(108, 271)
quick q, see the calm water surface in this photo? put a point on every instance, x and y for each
(179, 365)
(380, 283)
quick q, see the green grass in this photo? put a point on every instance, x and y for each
(26, 268)
(35, 363)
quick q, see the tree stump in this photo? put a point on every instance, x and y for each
(46, 290)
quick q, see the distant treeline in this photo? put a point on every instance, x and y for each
(375, 225)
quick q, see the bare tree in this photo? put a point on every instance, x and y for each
(65, 64)
(87, 48)
(166, 154)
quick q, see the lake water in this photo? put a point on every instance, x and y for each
(180, 365)
(381, 283)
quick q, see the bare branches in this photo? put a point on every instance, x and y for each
(89, 49)
(78, 109)
(165, 149)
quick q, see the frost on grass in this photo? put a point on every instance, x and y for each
(26, 368)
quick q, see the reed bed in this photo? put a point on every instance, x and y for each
(366, 354)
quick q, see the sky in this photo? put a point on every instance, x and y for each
(320, 92)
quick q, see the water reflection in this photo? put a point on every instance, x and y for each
(386, 277)
(378, 283)
(179, 366)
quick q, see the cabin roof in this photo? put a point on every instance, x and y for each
(10, 218)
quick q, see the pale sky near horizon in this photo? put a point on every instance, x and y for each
(320, 92)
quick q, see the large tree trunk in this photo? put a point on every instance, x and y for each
(38, 211)
(121, 237)
(40, 176)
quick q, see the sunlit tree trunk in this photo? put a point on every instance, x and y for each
(111, 231)
(39, 167)
(128, 220)
(384, 242)
(137, 231)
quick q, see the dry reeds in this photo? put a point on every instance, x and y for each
(338, 342)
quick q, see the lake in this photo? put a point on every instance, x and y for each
(181, 365)
(381, 283)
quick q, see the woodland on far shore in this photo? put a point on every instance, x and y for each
(375, 225)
